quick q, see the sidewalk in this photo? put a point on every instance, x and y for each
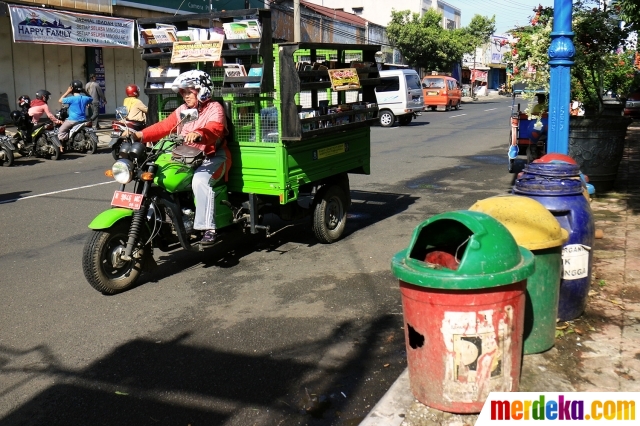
(599, 351)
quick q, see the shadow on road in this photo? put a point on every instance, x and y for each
(148, 382)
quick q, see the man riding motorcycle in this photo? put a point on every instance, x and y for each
(77, 107)
(207, 133)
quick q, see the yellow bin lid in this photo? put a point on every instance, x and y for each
(531, 224)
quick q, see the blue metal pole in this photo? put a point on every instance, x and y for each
(561, 53)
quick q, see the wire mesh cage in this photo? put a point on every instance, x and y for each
(254, 116)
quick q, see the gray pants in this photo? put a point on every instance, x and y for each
(210, 172)
(63, 131)
(95, 111)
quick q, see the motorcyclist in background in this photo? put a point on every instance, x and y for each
(136, 109)
(39, 107)
(77, 107)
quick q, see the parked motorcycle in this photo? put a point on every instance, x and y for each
(118, 126)
(29, 140)
(82, 136)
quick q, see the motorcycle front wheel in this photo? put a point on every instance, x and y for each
(102, 263)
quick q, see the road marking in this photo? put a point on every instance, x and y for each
(490, 109)
(454, 116)
(54, 192)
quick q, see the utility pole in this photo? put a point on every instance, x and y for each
(296, 21)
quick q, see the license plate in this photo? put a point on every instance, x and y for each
(432, 93)
(128, 200)
(115, 134)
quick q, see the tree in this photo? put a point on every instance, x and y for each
(423, 41)
(480, 30)
(629, 11)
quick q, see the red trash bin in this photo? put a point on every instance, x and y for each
(463, 282)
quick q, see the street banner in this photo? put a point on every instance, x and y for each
(344, 79)
(477, 75)
(196, 51)
(46, 26)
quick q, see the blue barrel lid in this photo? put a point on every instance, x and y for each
(552, 169)
(541, 185)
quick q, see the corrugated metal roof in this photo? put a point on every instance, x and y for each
(337, 15)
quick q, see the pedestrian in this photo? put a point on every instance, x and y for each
(136, 109)
(207, 133)
(39, 107)
(95, 91)
(77, 107)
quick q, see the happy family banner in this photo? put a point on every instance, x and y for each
(34, 25)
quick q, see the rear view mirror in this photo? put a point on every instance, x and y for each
(188, 115)
(121, 112)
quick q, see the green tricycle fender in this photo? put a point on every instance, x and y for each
(108, 218)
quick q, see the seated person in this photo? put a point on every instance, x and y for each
(136, 109)
(39, 107)
(541, 107)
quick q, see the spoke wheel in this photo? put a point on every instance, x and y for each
(330, 214)
(102, 261)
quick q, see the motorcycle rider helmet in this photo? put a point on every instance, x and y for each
(194, 79)
(43, 95)
(19, 118)
(77, 86)
(24, 101)
(133, 90)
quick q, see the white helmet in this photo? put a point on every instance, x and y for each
(194, 79)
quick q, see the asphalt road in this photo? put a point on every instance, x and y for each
(277, 331)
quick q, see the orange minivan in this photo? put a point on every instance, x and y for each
(441, 90)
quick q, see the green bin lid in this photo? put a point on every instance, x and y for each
(486, 253)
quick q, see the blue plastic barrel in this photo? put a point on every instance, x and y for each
(564, 198)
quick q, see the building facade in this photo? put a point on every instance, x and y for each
(380, 12)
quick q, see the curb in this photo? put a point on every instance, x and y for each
(391, 409)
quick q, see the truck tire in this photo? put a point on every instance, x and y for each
(329, 214)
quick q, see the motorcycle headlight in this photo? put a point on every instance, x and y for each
(122, 171)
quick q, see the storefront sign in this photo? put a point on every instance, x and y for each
(46, 26)
(196, 51)
(477, 75)
(344, 79)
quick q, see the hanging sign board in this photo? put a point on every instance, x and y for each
(196, 51)
(344, 79)
(46, 26)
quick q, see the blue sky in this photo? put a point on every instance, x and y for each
(509, 13)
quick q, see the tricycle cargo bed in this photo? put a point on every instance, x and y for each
(280, 170)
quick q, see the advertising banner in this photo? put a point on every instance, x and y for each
(344, 79)
(46, 26)
(499, 46)
(196, 51)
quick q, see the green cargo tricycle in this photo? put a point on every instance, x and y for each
(294, 137)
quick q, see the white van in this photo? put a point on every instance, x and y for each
(399, 95)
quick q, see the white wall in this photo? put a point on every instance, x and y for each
(27, 67)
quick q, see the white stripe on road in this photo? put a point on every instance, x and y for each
(491, 109)
(454, 116)
(54, 192)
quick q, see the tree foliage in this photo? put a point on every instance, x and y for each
(480, 29)
(629, 11)
(425, 43)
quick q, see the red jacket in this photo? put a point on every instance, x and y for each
(210, 125)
